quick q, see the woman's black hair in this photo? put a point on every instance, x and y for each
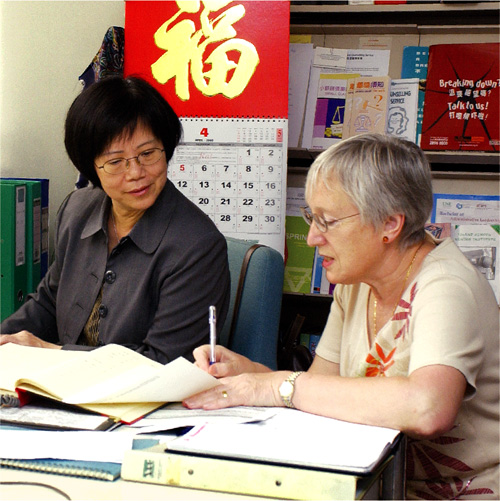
(110, 108)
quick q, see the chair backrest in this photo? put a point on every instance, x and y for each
(256, 325)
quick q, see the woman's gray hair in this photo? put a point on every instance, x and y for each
(383, 175)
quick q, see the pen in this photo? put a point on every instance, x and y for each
(212, 320)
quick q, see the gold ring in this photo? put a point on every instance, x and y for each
(224, 393)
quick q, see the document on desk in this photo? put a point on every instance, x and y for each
(112, 380)
(175, 415)
(293, 437)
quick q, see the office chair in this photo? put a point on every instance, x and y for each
(252, 324)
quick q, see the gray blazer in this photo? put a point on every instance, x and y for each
(158, 282)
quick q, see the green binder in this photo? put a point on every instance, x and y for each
(13, 263)
(33, 229)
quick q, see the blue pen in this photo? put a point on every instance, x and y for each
(212, 321)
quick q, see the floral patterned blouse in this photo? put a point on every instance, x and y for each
(449, 316)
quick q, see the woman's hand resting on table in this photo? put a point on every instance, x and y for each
(25, 338)
(258, 389)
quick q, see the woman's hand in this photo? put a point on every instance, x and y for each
(25, 338)
(246, 389)
(227, 362)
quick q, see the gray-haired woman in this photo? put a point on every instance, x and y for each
(407, 308)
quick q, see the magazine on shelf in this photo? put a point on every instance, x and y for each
(461, 107)
(370, 105)
(403, 108)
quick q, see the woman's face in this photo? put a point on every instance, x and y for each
(349, 248)
(137, 188)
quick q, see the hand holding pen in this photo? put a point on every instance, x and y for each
(212, 321)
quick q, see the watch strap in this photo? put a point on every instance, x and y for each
(287, 399)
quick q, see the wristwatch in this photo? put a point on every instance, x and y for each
(287, 389)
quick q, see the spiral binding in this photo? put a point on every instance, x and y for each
(59, 468)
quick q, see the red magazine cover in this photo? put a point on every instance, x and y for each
(461, 108)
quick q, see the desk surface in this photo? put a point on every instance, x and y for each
(78, 489)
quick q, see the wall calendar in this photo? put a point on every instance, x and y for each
(234, 169)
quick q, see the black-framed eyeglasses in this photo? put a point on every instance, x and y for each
(322, 224)
(119, 165)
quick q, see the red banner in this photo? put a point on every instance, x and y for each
(212, 58)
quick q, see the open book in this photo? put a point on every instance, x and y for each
(112, 380)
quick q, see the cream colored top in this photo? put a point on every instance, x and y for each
(448, 315)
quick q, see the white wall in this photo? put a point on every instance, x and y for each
(45, 47)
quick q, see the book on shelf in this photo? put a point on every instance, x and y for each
(480, 243)
(414, 65)
(465, 209)
(348, 107)
(33, 228)
(300, 59)
(13, 255)
(323, 122)
(473, 222)
(319, 282)
(111, 380)
(461, 107)
(44, 189)
(298, 255)
(438, 230)
(414, 62)
(331, 61)
(310, 341)
(370, 105)
(403, 108)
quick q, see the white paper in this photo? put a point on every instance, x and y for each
(300, 56)
(330, 58)
(176, 416)
(295, 199)
(293, 437)
(74, 445)
(480, 244)
(169, 383)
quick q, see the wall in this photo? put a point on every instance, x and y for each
(46, 45)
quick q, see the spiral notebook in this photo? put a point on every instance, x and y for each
(89, 469)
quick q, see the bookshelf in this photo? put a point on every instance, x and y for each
(337, 24)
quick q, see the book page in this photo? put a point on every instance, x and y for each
(17, 360)
(74, 374)
(115, 374)
(168, 383)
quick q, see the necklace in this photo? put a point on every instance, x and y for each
(408, 271)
